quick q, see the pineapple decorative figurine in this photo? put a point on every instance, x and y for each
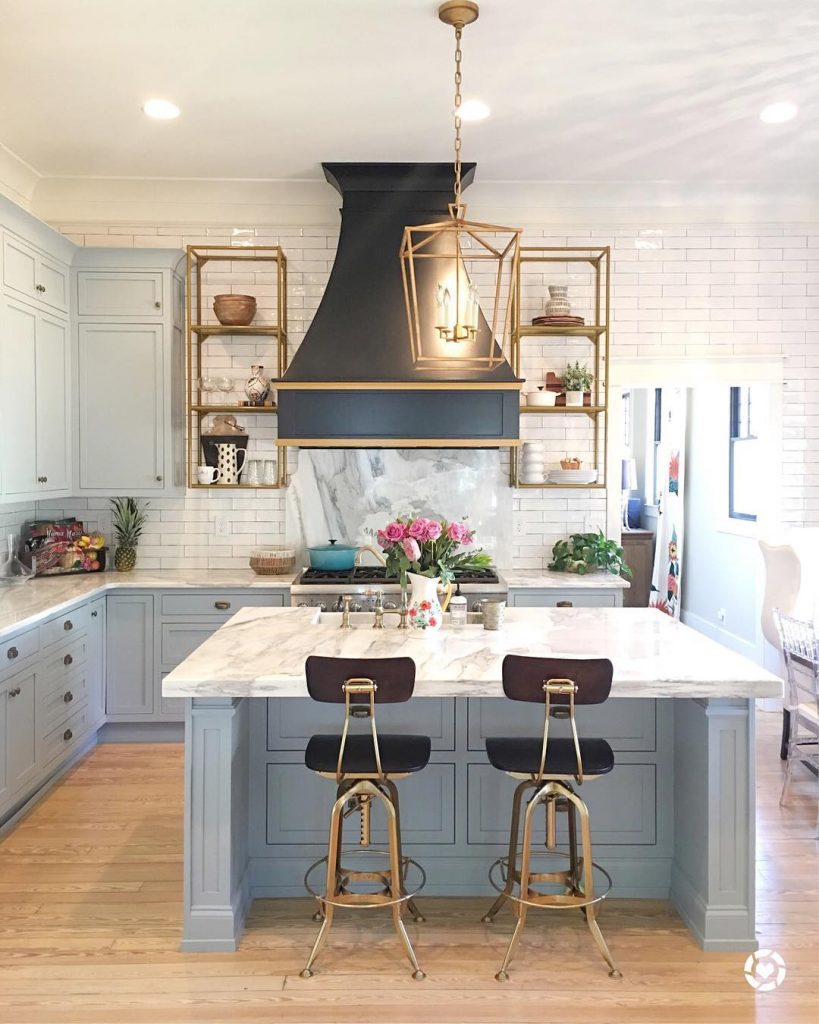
(128, 519)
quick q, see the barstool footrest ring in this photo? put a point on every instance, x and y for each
(356, 901)
(564, 901)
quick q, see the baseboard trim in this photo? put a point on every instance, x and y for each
(709, 925)
(142, 732)
(230, 922)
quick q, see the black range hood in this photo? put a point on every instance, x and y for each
(352, 382)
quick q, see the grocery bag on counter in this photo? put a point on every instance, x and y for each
(55, 548)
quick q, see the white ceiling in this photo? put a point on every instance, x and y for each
(590, 90)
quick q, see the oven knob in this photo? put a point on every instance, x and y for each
(338, 605)
(477, 606)
(302, 604)
(390, 606)
(355, 607)
(322, 607)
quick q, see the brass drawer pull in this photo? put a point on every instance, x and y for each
(15, 692)
(67, 735)
(68, 625)
(564, 604)
(68, 696)
(94, 614)
(12, 653)
(223, 605)
(68, 660)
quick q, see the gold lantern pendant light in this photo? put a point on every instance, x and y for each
(448, 267)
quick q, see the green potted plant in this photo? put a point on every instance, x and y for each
(577, 380)
(128, 518)
(589, 552)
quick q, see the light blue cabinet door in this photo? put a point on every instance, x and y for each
(21, 736)
(121, 442)
(129, 658)
(622, 806)
(96, 662)
(299, 802)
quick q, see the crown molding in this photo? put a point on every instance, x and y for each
(18, 179)
(176, 201)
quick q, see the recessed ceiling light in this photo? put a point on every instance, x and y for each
(162, 110)
(473, 110)
(779, 113)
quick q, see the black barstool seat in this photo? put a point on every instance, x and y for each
(399, 754)
(521, 755)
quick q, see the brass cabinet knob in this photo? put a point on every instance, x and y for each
(564, 604)
(222, 605)
(94, 614)
(40, 288)
(68, 696)
(68, 625)
(158, 305)
(12, 653)
(68, 660)
(67, 735)
(15, 692)
(158, 478)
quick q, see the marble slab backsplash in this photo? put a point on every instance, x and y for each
(349, 493)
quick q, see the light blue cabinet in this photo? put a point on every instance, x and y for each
(129, 658)
(570, 597)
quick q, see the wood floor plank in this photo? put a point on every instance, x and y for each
(90, 920)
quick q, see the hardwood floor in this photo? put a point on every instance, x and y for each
(90, 895)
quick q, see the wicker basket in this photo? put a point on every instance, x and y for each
(272, 561)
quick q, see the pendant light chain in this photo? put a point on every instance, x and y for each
(458, 56)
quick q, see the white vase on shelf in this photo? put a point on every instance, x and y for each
(558, 303)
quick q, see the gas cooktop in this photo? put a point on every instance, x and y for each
(364, 574)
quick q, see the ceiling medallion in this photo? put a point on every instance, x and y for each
(459, 275)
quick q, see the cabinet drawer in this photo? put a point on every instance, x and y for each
(67, 735)
(119, 293)
(16, 650)
(628, 725)
(33, 274)
(70, 657)
(569, 598)
(179, 639)
(299, 803)
(291, 721)
(59, 703)
(217, 603)
(65, 626)
(622, 807)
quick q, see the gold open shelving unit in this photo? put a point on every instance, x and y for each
(596, 333)
(199, 330)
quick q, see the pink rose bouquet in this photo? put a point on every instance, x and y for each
(429, 547)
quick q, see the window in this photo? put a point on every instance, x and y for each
(743, 460)
(657, 469)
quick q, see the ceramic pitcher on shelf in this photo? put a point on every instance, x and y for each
(425, 609)
(228, 463)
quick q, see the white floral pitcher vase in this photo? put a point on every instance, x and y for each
(425, 611)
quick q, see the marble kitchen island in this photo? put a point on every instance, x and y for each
(674, 820)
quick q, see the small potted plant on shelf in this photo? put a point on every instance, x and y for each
(128, 518)
(577, 380)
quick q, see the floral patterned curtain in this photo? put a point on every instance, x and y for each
(666, 580)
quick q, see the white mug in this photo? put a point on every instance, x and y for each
(207, 474)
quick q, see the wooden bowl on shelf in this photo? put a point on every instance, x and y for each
(234, 310)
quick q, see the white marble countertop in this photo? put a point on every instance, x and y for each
(261, 652)
(29, 603)
(535, 579)
(26, 605)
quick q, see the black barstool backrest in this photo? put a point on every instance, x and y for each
(523, 678)
(394, 678)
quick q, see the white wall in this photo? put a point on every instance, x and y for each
(685, 285)
(722, 567)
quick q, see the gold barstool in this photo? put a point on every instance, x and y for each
(364, 768)
(549, 769)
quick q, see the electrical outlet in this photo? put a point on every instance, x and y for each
(518, 528)
(221, 526)
(721, 615)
